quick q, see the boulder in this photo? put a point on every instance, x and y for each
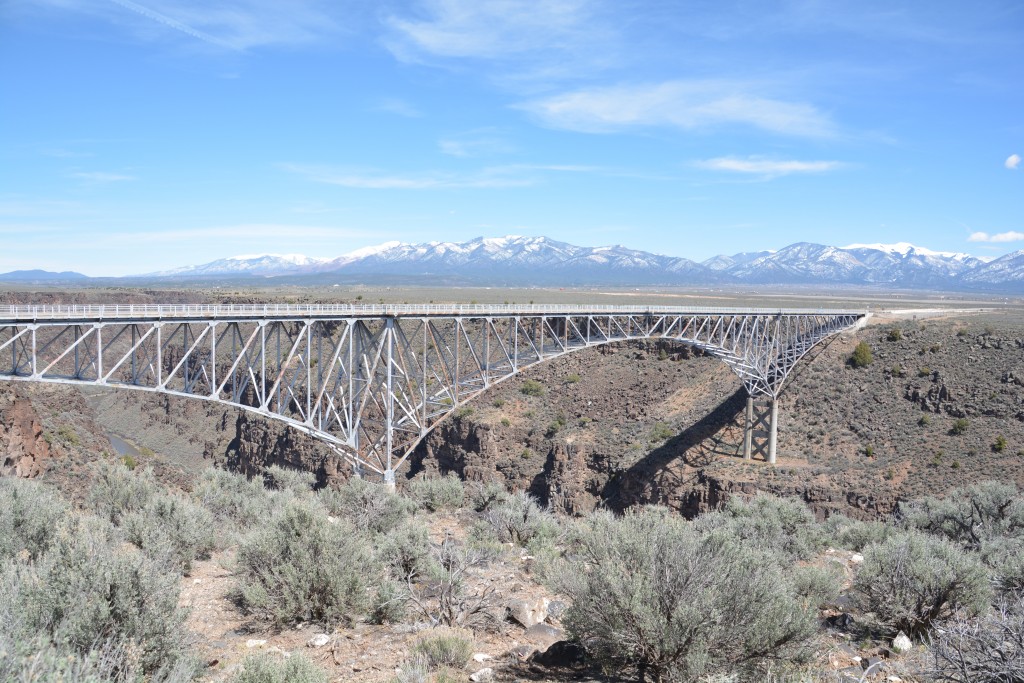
(529, 612)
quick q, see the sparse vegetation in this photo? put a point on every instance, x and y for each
(862, 355)
(301, 567)
(272, 668)
(999, 445)
(959, 427)
(661, 432)
(531, 387)
(894, 335)
(445, 647)
(438, 493)
(911, 580)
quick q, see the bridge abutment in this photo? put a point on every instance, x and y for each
(761, 428)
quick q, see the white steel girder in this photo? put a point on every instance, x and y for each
(372, 381)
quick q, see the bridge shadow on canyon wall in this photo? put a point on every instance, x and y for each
(656, 477)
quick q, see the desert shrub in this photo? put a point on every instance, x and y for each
(116, 491)
(446, 598)
(520, 520)
(960, 426)
(405, 550)
(852, 534)
(650, 589)
(481, 496)
(894, 334)
(172, 528)
(233, 498)
(300, 567)
(294, 481)
(445, 647)
(1004, 558)
(31, 514)
(911, 580)
(39, 659)
(971, 515)
(371, 507)
(769, 522)
(268, 668)
(862, 355)
(438, 493)
(389, 604)
(661, 432)
(89, 589)
(531, 387)
(986, 649)
(999, 445)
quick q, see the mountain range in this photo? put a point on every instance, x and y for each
(519, 261)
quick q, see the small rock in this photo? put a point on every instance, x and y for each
(893, 679)
(873, 663)
(521, 651)
(856, 558)
(529, 612)
(486, 674)
(319, 640)
(901, 643)
(255, 643)
(841, 621)
(481, 657)
(545, 633)
(556, 608)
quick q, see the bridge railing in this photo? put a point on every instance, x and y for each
(30, 313)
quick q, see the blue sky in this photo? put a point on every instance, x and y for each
(139, 136)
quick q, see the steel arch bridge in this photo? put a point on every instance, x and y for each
(372, 381)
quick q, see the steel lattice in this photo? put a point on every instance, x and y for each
(372, 381)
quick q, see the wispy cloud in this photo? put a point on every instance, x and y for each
(236, 26)
(394, 105)
(1009, 236)
(508, 175)
(680, 104)
(101, 177)
(1012, 162)
(245, 233)
(474, 143)
(767, 167)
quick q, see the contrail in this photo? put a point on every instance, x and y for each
(177, 25)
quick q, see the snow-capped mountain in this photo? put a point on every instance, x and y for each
(516, 260)
(255, 264)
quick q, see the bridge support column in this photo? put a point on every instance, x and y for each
(762, 428)
(748, 427)
(389, 479)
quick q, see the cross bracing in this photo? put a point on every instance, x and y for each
(371, 381)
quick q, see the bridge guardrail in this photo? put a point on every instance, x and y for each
(191, 311)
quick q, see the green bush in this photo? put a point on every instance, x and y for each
(531, 387)
(438, 493)
(784, 524)
(851, 534)
(300, 567)
(405, 550)
(38, 658)
(650, 589)
(661, 432)
(969, 516)
(234, 499)
(31, 515)
(999, 445)
(445, 647)
(269, 668)
(911, 580)
(482, 496)
(895, 334)
(862, 355)
(172, 529)
(1005, 559)
(90, 591)
(960, 426)
(371, 507)
(294, 481)
(389, 604)
(520, 520)
(116, 491)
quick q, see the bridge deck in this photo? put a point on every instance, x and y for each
(32, 313)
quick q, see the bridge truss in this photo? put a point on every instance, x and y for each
(371, 381)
